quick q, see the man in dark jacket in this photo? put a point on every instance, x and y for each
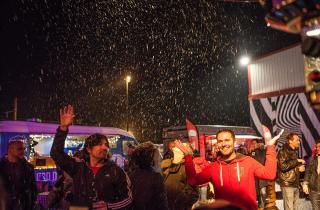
(97, 182)
(289, 168)
(181, 195)
(18, 178)
(311, 184)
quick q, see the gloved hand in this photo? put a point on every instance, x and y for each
(305, 189)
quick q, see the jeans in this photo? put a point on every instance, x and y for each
(290, 198)
(315, 200)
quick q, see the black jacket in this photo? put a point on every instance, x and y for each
(110, 184)
(181, 195)
(22, 190)
(148, 190)
(288, 172)
(311, 176)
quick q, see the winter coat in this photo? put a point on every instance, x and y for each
(148, 190)
(110, 184)
(60, 195)
(234, 181)
(259, 155)
(21, 192)
(311, 176)
(180, 194)
(288, 172)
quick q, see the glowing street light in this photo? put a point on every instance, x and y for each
(244, 60)
(127, 79)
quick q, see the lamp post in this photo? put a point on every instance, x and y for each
(244, 60)
(127, 79)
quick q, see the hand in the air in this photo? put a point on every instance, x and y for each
(268, 138)
(66, 117)
(185, 149)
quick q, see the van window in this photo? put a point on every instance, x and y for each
(113, 140)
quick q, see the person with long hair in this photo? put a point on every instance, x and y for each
(98, 183)
(147, 181)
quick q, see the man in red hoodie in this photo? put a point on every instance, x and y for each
(233, 173)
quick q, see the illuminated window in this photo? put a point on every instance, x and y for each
(113, 141)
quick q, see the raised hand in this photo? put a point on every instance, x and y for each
(275, 139)
(185, 149)
(66, 117)
(268, 138)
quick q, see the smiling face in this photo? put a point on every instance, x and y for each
(225, 143)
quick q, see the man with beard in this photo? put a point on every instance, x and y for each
(97, 182)
(233, 173)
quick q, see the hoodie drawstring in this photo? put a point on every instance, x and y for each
(238, 172)
(221, 179)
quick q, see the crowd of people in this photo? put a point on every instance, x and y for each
(179, 180)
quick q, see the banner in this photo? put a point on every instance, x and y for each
(192, 135)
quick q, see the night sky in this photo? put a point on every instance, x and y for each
(182, 56)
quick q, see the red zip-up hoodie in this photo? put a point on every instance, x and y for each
(234, 181)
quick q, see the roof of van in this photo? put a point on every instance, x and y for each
(50, 128)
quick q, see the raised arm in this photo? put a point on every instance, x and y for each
(63, 160)
(193, 178)
(269, 170)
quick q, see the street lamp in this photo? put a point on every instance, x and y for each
(244, 60)
(127, 79)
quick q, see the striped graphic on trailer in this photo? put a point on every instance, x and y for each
(292, 113)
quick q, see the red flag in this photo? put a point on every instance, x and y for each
(192, 135)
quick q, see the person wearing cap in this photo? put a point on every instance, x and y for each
(311, 183)
(98, 183)
(233, 173)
